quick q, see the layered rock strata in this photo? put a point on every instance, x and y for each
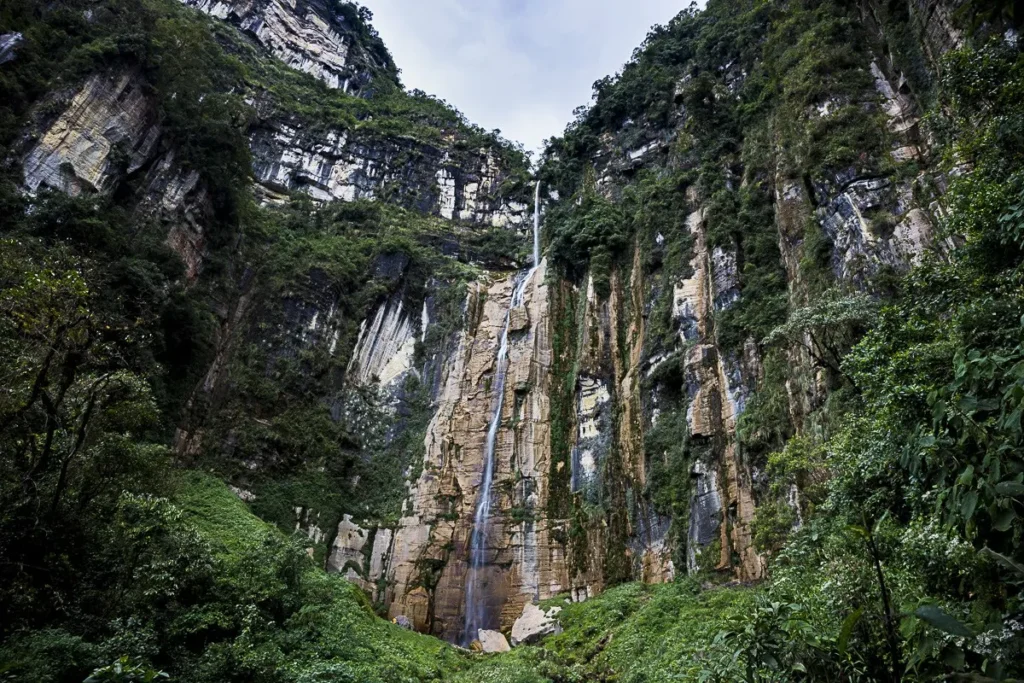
(304, 34)
(108, 130)
(337, 165)
(723, 497)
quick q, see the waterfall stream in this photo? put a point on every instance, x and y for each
(476, 616)
(536, 226)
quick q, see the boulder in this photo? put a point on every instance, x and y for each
(492, 641)
(534, 624)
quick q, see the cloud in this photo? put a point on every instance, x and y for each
(521, 66)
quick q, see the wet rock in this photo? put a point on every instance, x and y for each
(705, 514)
(593, 427)
(524, 557)
(534, 624)
(492, 641)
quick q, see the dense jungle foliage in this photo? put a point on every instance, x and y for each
(122, 561)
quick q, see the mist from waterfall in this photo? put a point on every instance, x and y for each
(476, 616)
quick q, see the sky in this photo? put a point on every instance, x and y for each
(520, 66)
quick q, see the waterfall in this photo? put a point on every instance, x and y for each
(536, 227)
(476, 616)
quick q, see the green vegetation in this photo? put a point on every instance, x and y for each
(207, 592)
(890, 488)
(883, 435)
(630, 633)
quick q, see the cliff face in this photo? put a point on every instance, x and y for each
(346, 167)
(312, 36)
(619, 454)
(109, 133)
(421, 563)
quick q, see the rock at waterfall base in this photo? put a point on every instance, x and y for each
(492, 641)
(534, 624)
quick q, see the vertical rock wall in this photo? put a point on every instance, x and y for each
(304, 34)
(429, 551)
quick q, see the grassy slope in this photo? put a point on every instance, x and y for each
(630, 633)
(335, 634)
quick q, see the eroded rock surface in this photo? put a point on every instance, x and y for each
(430, 549)
(332, 165)
(305, 34)
(109, 127)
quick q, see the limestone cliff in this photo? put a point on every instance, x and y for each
(426, 554)
(647, 382)
(314, 36)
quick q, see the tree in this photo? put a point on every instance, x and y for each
(826, 328)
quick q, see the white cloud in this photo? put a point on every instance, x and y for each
(518, 65)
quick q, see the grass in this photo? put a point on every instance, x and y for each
(630, 633)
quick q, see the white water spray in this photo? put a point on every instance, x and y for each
(476, 616)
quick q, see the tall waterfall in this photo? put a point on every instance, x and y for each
(536, 227)
(476, 616)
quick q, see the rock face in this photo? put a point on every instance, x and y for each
(716, 386)
(304, 34)
(108, 130)
(336, 165)
(572, 506)
(292, 155)
(109, 127)
(347, 552)
(934, 19)
(9, 42)
(385, 348)
(534, 624)
(593, 427)
(431, 544)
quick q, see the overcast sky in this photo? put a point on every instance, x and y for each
(518, 65)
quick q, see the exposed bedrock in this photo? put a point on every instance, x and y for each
(336, 165)
(304, 34)
(430, 548)
(109, 129)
